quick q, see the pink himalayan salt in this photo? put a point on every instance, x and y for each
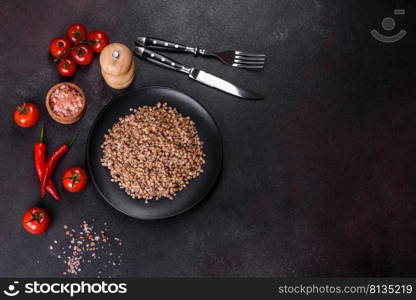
(66, 101)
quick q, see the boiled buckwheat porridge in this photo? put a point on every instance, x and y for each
(153, 152)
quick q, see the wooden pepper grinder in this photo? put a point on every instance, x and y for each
(117, 65)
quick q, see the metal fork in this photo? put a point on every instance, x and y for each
(237, 59)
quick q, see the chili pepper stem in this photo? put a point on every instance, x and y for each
(41, 134)
(74, 139)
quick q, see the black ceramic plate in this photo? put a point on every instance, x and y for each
(198, 187)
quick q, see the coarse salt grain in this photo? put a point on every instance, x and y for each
(66, 101)
(84, 248)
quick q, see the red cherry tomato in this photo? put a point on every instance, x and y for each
(76, 32)
(67, 67)
(75, 179)
(99, 40)
(35, 220)
(26, 115)
(59, 47)
(82, 54)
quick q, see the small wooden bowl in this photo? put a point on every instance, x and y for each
(60, 119)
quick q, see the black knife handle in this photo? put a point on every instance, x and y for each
(158, 44)
(161, 60)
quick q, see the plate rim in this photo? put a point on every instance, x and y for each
(97, 118)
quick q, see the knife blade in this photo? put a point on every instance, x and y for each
(223, 85)
(197, 75)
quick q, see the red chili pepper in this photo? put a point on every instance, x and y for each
(51, 189)
(52, 162)
(39, 154)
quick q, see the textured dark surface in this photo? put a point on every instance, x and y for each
(318, 179)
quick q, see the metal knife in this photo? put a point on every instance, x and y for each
(197, 75)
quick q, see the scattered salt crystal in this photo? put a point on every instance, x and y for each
(81, 253)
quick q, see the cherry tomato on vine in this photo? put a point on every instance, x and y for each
(59, 46)
(99, 40)
(26, 115)
(75, 179)
(67, 67)
(82, 54)
(35, 220)
(76, 32)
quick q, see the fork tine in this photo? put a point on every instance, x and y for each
(249, 58)
(247, 62)
(248, 66)
(249, 54)
(258, 61)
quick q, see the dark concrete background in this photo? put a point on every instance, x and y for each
(318, 179)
